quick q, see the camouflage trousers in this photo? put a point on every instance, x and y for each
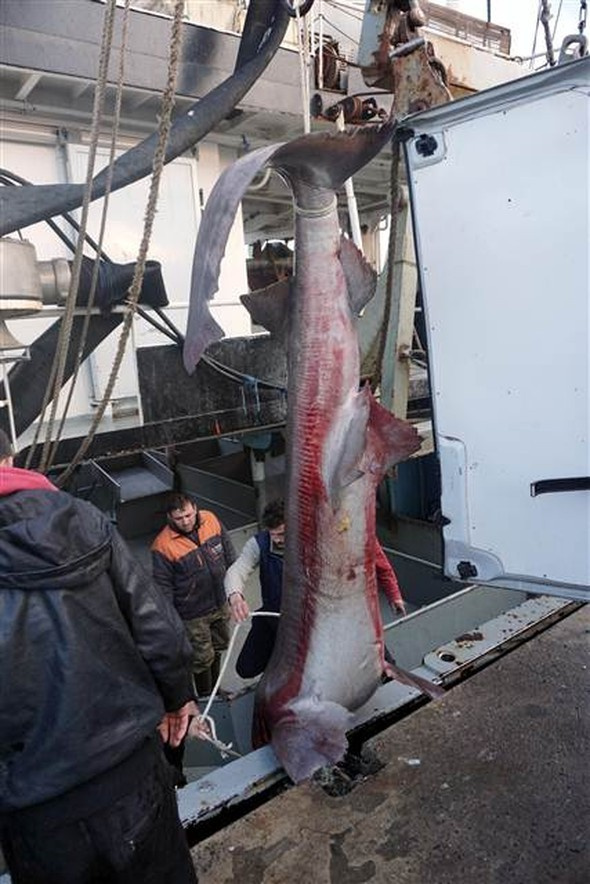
(209, 636)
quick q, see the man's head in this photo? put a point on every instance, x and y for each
(273, 519)
(5, 450)
(182, 512)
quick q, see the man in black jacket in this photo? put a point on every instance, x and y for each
(93, 662)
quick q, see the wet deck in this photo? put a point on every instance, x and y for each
(491, 785)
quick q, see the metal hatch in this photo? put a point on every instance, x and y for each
(499, 187)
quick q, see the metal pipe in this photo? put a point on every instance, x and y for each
(353, 212)
(8, 403)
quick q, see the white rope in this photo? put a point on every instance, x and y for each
(225, 748)
(317, 213)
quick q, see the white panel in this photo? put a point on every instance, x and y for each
(502, 216)
(174, 231)
(40, 164)
(172, 242)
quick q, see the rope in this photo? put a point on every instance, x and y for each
(103, 220)
(226, 748)
(150, 213)
(58, 370)
(545, 16)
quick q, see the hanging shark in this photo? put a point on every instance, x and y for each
(328, 656)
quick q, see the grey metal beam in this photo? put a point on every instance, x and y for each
(28, 84)
(63, 38)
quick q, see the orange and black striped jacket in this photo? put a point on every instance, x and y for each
(190, 568)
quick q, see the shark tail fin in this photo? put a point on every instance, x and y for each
(327, 159)
(311, 734)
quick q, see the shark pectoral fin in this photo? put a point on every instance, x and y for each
(361, 279)
(269, 307)
(214, 229)
(389, 440)
(345, 448)
(310, 735)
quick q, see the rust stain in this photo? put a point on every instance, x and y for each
(469, 637)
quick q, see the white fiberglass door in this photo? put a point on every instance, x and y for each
(500, 195)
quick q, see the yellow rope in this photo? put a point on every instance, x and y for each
(136, 283)
(105, 206)
(58, 369)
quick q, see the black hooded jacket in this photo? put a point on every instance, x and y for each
(91, 653)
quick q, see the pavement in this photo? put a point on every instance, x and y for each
(489, 785)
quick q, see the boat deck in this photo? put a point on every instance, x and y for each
(490, 784)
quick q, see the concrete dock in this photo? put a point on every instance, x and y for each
(489, 785)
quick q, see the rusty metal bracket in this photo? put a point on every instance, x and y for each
(397, 58)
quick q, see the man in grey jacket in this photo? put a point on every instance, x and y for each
(95, 674)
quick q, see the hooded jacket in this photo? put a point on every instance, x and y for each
(91, 653)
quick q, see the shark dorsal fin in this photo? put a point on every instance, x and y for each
(269, 307)
(361, 279)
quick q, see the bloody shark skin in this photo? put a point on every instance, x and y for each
(328, 656)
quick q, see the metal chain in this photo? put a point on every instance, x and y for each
(150, 214)
(545, 16)
(583, 16)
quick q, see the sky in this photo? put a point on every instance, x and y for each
(521, 16)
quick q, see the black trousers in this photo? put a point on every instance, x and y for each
(135, 838)
(258, 647)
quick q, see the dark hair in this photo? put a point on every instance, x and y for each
(5, 446)
(274, 514)
(177, 500)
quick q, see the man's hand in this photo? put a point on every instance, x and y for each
(174, 725)
(239, 607)
(400, 608)
(199, 728)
